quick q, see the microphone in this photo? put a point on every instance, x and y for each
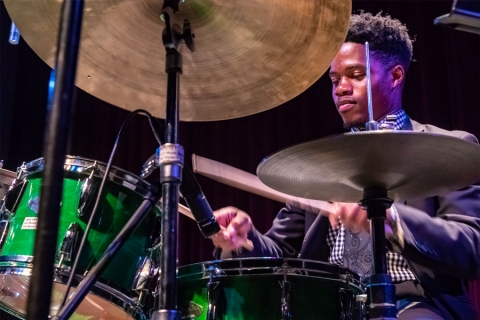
(192, 193)
(190, 190)
(196, 200)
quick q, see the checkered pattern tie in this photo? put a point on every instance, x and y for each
(357, 255)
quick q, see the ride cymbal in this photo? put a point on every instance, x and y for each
(409, 165)
(250, 56)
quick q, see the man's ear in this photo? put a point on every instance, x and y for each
(398, 76)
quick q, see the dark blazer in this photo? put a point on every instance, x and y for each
(442, 239)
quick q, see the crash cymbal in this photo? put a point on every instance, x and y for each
(6, 178)
(409, 165)
(250, 56)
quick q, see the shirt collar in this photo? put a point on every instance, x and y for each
(385, 123)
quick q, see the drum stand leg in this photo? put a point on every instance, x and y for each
(380, 289)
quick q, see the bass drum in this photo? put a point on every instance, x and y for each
(268, 288)
(120, 292)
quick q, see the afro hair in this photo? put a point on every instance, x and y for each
(387, 37)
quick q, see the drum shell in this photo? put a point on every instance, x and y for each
(252, 289)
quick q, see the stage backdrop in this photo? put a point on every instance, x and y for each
(443, 88)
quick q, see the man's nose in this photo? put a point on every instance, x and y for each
(343, 88)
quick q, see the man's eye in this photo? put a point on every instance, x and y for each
(335, 81)
(359, 76)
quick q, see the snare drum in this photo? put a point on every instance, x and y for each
(267, 288)
(116, 294)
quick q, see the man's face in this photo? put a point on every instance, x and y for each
(349, 85)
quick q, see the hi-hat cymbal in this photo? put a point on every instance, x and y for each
(250, 55)
(407, 164)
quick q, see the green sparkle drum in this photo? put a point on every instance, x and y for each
(116, 294)
(267, 288)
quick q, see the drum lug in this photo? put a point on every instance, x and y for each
(347, 304)
(361, 307)
(145, 272)
(285, 298)
(12, 198)
(3, 212)
(69, 243)
(89, 187)
(3, 232)
(212, 296)
(286, 285)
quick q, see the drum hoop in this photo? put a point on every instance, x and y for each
(8, 309)
(119, 299)
(17, 258)
(246, 267)
(79, 164)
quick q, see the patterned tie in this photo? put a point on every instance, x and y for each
(357, 254)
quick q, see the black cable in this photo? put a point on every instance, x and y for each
(160, 127)
(152, 121)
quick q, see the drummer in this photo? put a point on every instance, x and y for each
(433, 244)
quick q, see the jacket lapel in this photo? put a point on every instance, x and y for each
(413, 125)
(314, 245)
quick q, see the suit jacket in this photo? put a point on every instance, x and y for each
(441, 234)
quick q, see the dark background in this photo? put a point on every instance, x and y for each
(443, 88)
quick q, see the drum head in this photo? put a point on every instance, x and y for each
(14, 294)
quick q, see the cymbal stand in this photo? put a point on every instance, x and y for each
(380, 289)
(171, 163)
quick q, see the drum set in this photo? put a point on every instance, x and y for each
(226, 289)
(247, 62)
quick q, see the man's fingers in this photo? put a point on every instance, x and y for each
(224, 240)
(334, 219)
(247, 244)
(240, 225)
(352, 216)
(220, 238)
(225, 215)
(235, 225)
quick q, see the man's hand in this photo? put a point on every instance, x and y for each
(354, 217)
(235, 225)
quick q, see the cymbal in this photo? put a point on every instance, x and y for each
(250, 56)
(409, 165)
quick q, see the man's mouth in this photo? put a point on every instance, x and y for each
(344, 106)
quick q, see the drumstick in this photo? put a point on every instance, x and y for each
(247, 244)
(249, 182)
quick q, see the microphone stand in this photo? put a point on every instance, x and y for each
(171, 163)
(55, 145)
